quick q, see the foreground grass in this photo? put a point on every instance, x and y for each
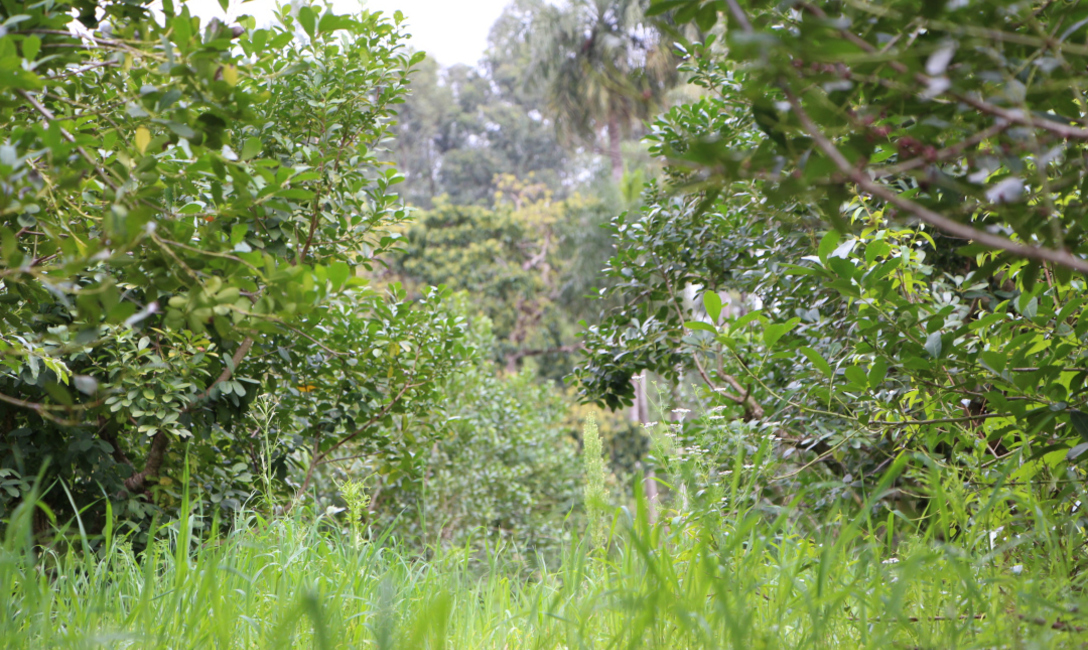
(750, 583)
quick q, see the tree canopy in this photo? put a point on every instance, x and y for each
(603, 66)
(887, 200)
(186, 211)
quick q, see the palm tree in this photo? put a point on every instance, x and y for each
(603, 65)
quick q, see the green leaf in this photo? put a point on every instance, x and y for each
(1029, 309)
(251, 148)
(827, 245)
(31, 46)
(700, 325)
(774, 331)
(857, 376)
(818, 361)
(258, 39)
(338, 274)
(986, 321)
(182, 130)
(876, 249)
(329, 23)
(994, 360)
(183, 29)
(238, 233)
(934, 345)
(296, 193)
(713, 304)
(659, 7)
(307, 19)
(58, 392)
(706, 17)
(877, 373)
(1077, 451)
(738, 324)
(794, 269)
(1079, 420)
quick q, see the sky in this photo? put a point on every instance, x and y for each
(451, 31)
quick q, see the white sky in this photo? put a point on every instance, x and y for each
(451, 31)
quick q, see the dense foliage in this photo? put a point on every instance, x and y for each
(889, 219)
(186, 209)
(503, 468)
(460, 129)
(852, 288)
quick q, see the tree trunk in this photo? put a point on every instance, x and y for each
(614, 139)
(159, 443)
(640, 413)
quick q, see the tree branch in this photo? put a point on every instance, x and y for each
(513, 358)
(159, 442)
(1012, 116)
(739, 15)
(47, 114)
(45, 410)
(228, 371)
(319, 458)
(750, 404)
(939, 221)
(953, 151)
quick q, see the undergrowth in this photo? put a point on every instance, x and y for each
(705, 579)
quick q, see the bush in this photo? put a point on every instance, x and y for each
(503, 466)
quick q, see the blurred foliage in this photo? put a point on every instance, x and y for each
(602, 67)
(502, 467)
(524, 262)
(460, 130)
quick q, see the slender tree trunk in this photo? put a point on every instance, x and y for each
(159, 443)
(614, 148)
(640, 413)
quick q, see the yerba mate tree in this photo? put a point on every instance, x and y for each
(186, 213)
(893, 191)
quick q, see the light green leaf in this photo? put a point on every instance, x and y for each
(774, 331)
(817, 361)
(31, 46)
(827, 245)
(934, 345)
(713, 304)
(251, 148)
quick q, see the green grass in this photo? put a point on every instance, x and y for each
(747, 580)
